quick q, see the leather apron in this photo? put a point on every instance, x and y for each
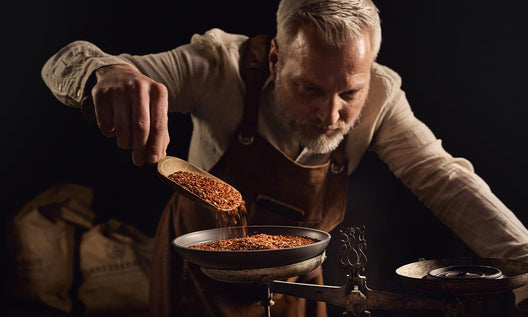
(277, 191)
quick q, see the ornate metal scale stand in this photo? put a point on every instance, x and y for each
(354, 296)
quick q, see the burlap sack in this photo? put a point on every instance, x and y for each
(42, 243)
(115, 263)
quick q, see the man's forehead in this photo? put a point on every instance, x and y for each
(309, 43)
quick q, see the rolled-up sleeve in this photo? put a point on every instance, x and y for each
(68, 71)
(447, 185)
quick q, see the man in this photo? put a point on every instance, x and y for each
(324, 104)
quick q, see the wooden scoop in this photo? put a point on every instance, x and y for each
(170, 164)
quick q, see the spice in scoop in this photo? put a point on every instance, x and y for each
(218, 194)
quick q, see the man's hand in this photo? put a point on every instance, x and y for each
(134, 109)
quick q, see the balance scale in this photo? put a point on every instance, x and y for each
(467, 287)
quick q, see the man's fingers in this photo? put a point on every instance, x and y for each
(104, 112)
(122, 121)
(158, 139)
(141, 123)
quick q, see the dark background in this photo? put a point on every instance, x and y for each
(462, 63)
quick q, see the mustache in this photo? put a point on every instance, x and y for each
(318, 124)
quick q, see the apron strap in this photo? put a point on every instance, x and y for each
(254, 70)
(338, 159)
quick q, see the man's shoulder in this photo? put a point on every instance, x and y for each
(384, 81)
(385, 74)
(219, 37)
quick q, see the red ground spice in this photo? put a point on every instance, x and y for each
(227, 200)
(259, 241)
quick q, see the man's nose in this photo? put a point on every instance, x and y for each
(328, 114)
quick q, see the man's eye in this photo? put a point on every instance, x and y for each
(311, 89)
(348, 94)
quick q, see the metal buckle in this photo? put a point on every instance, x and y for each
(336, 168)
(245, 140)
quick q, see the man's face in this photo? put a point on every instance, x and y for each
(320, 89)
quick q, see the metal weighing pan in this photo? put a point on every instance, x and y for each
(262, 275)
(418, 276)
(251, 259)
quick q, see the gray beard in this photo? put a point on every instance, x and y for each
(318, 145)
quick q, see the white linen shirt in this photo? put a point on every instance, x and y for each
(203, 80)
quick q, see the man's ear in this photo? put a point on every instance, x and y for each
(273, 58)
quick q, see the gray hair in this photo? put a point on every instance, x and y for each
(336, 20)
